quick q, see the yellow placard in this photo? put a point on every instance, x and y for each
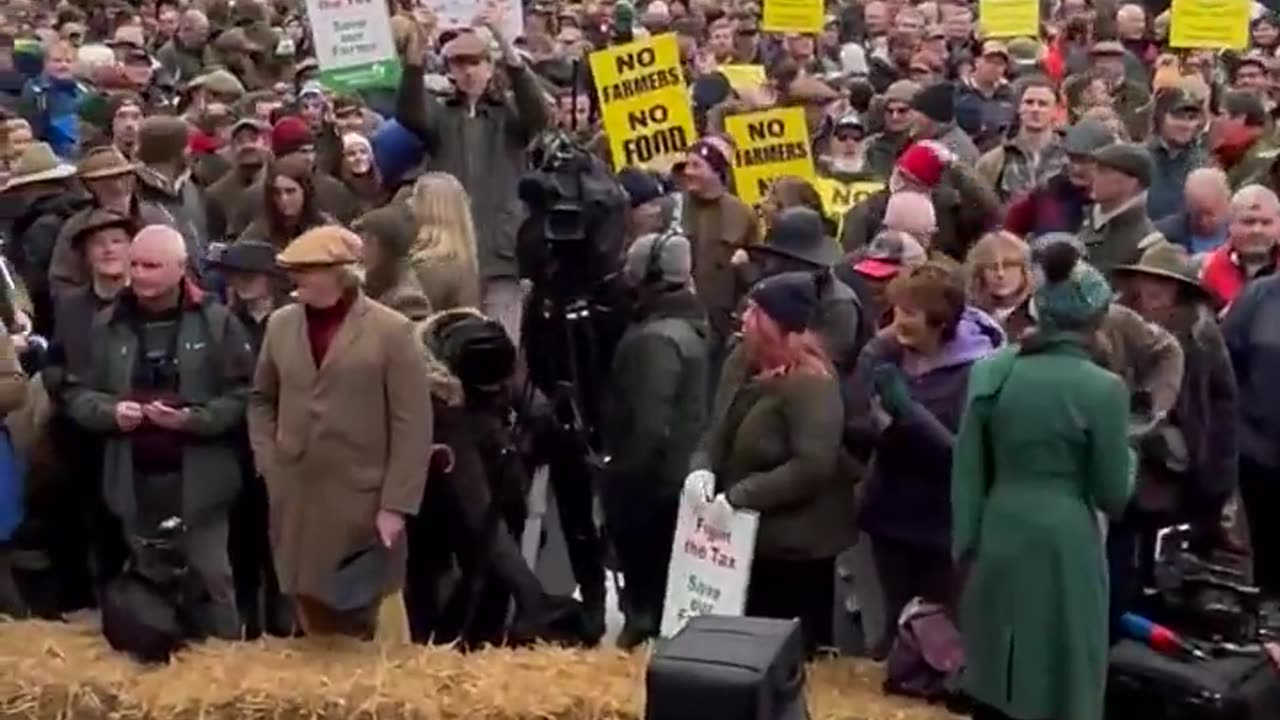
(770, 144)
(838, 196)
(795, 16)
(1215, 24)
(1009, 18)
(743, 77)
(643, 101)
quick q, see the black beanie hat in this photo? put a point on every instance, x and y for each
(936, 102)
(789, 298)
(641, 185)
(476, 350)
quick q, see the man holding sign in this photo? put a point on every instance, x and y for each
(480, 138)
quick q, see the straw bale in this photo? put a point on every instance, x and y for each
(54, 671)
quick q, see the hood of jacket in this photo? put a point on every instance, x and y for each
(977, 335)
(445, 386)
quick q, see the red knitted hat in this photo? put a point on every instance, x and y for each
(920, 162)
(290, 135)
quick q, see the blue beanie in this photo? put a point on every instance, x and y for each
(396, 151)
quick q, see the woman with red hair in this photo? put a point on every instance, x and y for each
(773, 447)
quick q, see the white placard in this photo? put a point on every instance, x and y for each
(350, 33)
(710, 563)
(462, 13)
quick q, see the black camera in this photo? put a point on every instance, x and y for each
(1203, 598)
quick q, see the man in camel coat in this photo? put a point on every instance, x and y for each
(340, 422)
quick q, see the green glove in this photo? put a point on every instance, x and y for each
(891, 388)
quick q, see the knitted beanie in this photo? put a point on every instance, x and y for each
(921, 164)
(289, 135)
(936, 102)
(162, 139)
(790, 299)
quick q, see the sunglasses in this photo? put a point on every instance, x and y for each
(897, 110)
(849, 136)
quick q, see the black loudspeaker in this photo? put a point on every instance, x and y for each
(745, 668)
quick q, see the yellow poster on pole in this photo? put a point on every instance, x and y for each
(769, 144)
(743, 77)
(1009, 18)
(1214, 24)
(643, 100)
(793, 16)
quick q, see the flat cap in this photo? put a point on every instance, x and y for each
(465, 44)
(320, 247)
(1129, 158)
(1087, 137)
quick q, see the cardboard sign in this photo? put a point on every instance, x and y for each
(743, 77)
(793, 16)
(643, 100)
(1213, 24)
(770, 144)
(353, 44)
(1009, 18)
(710, 564)
(462, 13)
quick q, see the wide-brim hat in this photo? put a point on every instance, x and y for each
(1165, 260)
(38, 164)
(251, 256)
(104, 162)
(801, 233)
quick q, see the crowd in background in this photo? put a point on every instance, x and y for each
(300, 320)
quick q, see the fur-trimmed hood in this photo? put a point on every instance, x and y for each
(444, 384)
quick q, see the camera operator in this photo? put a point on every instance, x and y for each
(167, 387)
(653, 413)
(480, 138)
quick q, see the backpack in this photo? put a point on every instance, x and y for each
(927, 656)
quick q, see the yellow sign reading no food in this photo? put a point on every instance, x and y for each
(770, 144)
(643, 100)
(1213, 24)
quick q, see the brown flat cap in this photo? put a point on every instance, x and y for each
(320, 247)
(100, 219)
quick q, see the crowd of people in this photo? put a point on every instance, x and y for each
(300, 319)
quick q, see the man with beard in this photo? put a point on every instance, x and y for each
(249, 154)
(884, 147)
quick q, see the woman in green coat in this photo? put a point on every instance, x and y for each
(1041, 449)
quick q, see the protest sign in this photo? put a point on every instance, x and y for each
(643, 100)
(793, 16)
(1009, 18)
(1213, 24)
(743, 77)
(838, 196)
(710, 564)
(769, 144)
(462, 13)
(353, 44)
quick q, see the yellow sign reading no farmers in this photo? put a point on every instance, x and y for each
(643, 100)
(1213, 24)
(769, 144)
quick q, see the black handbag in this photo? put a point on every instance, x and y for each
(1142, 683)
(745, 668)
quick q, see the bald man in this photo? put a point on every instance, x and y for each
(1201, 225)
(167, 388)
(1251, 250)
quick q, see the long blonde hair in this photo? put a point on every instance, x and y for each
(442, 210)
